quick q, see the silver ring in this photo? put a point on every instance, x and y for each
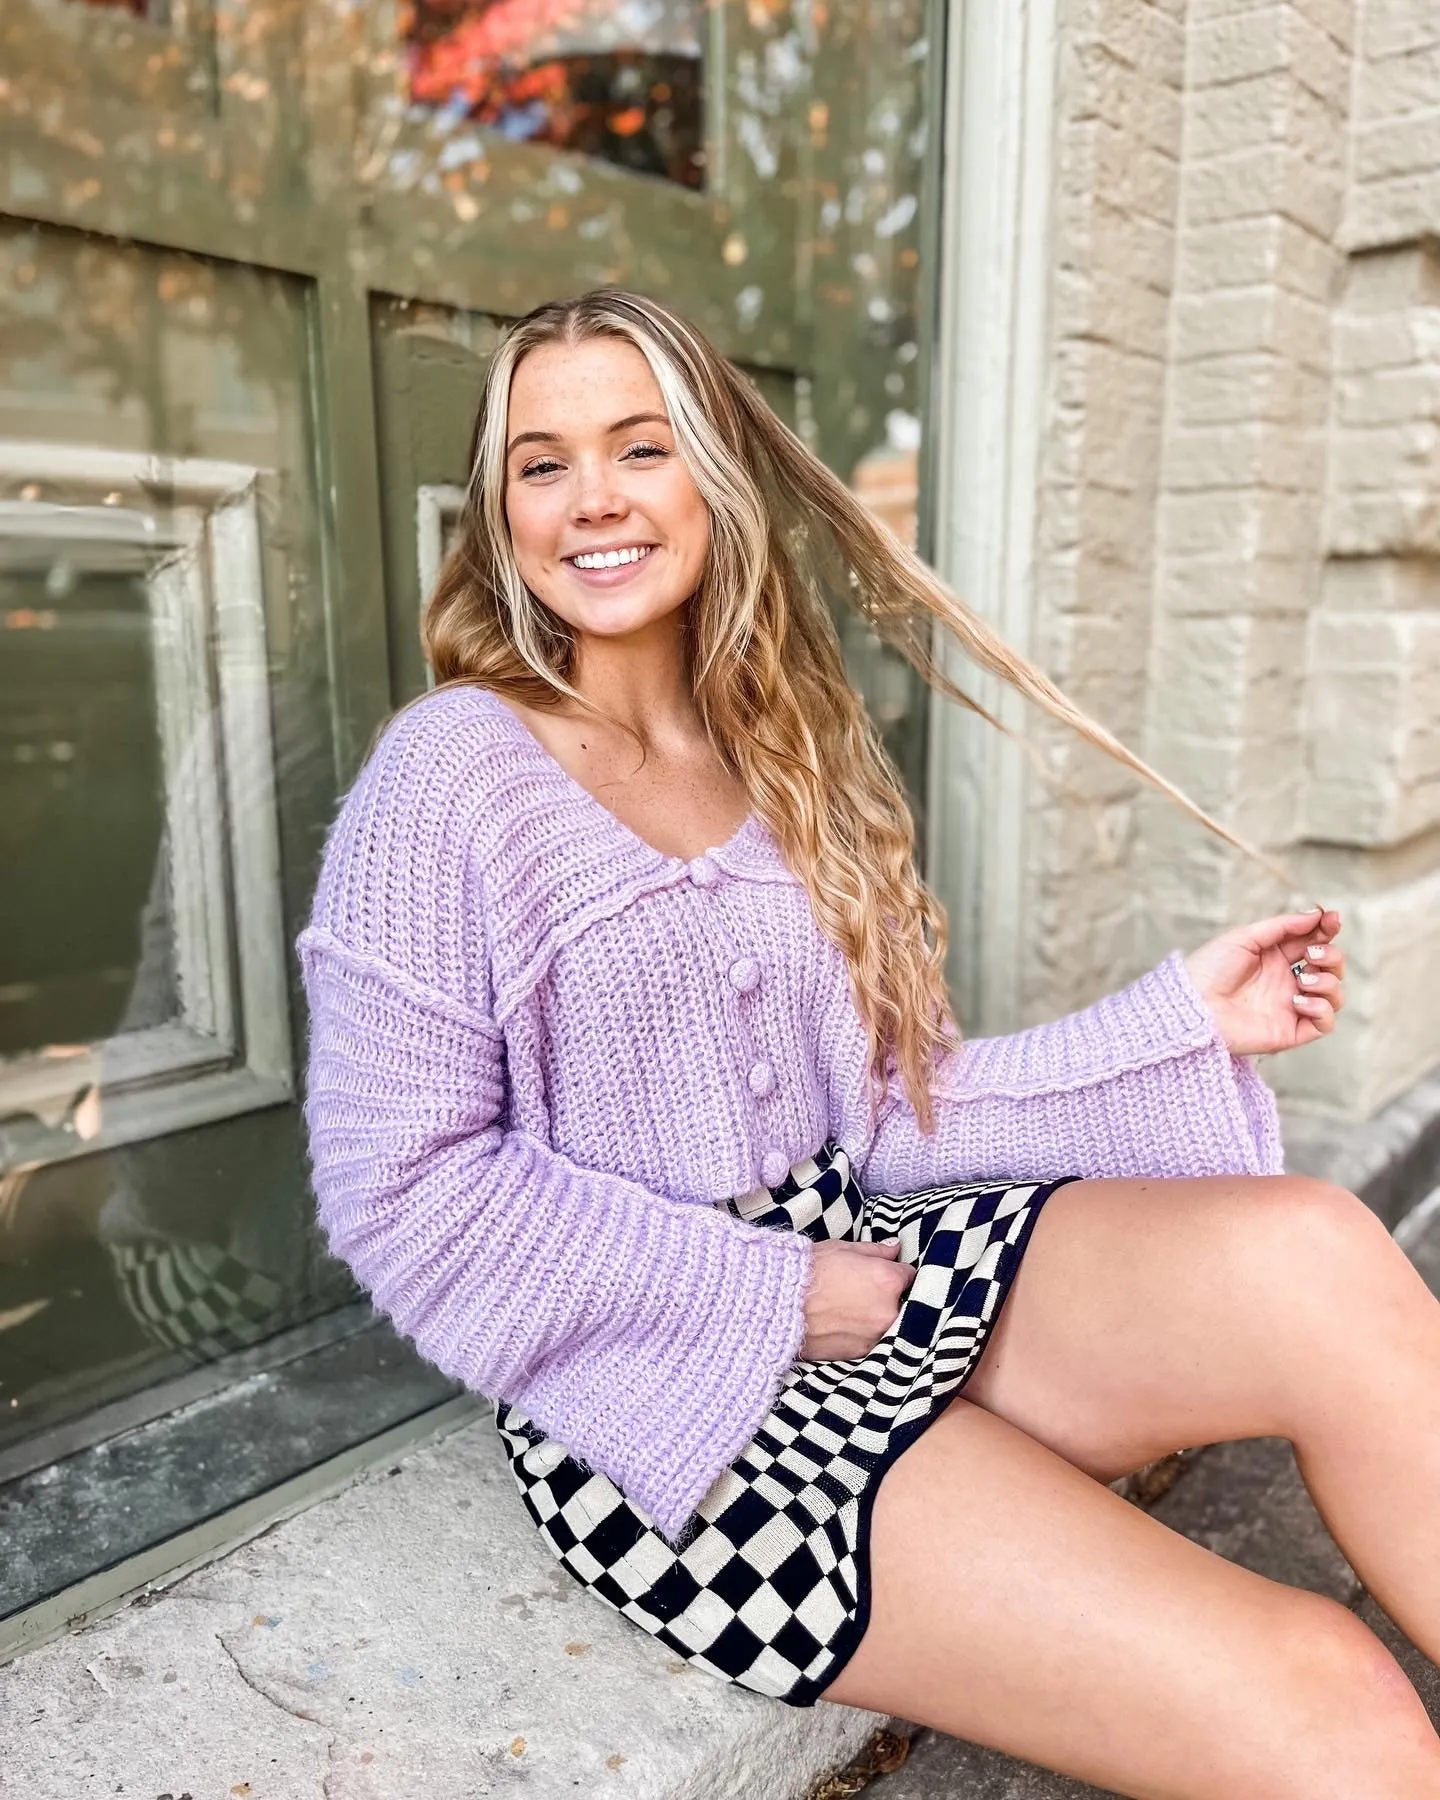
(1297, 969)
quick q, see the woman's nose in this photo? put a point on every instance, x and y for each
(597, 494)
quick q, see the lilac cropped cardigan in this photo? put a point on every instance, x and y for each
(541, 1051)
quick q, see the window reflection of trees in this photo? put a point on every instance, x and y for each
(620, 80)
(157, 11)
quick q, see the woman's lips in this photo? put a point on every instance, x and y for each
(610, 577)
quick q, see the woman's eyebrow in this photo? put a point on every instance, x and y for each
(553, 437)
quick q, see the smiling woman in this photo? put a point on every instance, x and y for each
(611, 535)
(607, 506)
(656, 1126)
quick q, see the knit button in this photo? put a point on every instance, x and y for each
(703, 871)
(774, 1168)
(745, 975)
(761, 1079)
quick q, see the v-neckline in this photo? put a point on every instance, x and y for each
(669, 858)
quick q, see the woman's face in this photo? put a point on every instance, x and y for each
(607, 526)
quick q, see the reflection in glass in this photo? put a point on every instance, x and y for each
(620, 80)
(81, 798)
(156, 11)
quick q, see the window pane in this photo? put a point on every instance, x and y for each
(81, 803)
(620, 80)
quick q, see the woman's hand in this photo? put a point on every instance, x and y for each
(1244, 977)
(854, 1298)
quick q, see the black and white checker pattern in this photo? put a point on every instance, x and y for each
(196, 1298)
(770, 1586)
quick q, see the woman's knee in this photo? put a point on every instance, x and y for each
(1347, 1676)
(1299, 1234)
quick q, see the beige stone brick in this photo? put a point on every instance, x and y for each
(1384, 523)
(1382, 456)
(1389, 86)
(1250, 454)
(1382, 213)
(1397, 146)
(1380, 584)
(1201, 668)
(1115, 590)
(1388, 396)
(1121, 385)
(1261, 110)
(1398, 27)
(1374, 728)
(1277, 37)
(1245, 522)
(1392, 280)
(1238, 320)
(1201, 763)
(1275, 178)
(1202, 585)
(1387, 340)
(1239, 115)
(1098, 158)
(1260, 385)
(1103, 303)
(1334, 17)
(1100, 84)
(1384, 490)
(1150, 38)
(1146, 246)
(1390, 1034)
(1110, 521)
(1338, 19)
(1265, 249)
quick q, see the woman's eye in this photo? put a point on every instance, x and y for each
(647, 450)
(544, 465)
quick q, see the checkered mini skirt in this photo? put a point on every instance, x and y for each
(770, 1584)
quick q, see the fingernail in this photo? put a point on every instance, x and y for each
(1315, 952)
(1307, 980)
(1302, 1000)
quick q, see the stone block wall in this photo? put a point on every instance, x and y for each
(1238, 556)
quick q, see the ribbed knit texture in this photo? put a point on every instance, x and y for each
(541, 1050)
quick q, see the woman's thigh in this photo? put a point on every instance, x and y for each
(1018, 1603)
(1149, 1316)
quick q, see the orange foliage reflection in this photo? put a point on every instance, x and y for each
(562, 73)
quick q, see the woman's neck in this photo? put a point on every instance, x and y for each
(644, 686)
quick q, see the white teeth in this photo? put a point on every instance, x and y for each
(610, 559)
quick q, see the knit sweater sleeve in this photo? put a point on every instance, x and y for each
(648, 1335)
(1141, 1083)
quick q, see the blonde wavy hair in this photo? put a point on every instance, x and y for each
(787, 540)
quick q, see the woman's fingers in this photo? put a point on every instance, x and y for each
(1322, 987)
(1320, 1013)
(1329, 957)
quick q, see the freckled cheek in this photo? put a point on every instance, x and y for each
(694, 522)
(534, 533)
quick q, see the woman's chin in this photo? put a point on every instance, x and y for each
(623, 619)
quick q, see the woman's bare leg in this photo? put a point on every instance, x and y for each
(1020, 1604)
(1149, 1316)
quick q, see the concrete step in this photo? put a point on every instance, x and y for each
(409, 1637)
